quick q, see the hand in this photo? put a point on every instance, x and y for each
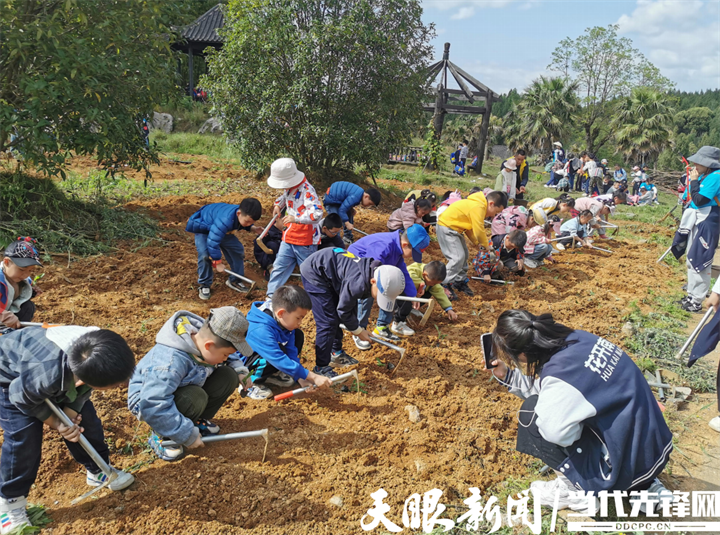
(522, 189)
(694, 175)
(38, 291)
(257, 230)
(500, 370)
(452, 315)
(487, 278)
(416, 305)
(12, 321)
(306, 383)
(349, 226)
(713, 301)
(276, 210)
(421, 289)
(364, 336)
(220, 268)
(70, 433)
(197, 444)
(520, 264)
(288, 219)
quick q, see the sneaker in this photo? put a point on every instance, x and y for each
(13, 514)
(604, 237)
(560, 247)
(325, 371)
(530, 263)
(207, 428)
(166, 453)
(237, 286)
(204, 293)
(280, 379)
(657, 493)
(361, 344)
(545, 492)
(384, 333)
(401, 329)
(259, 392)
(122, 481)
(450, 292)
(342, 359)
(682, 301)
(692, 306)
(715, 424)
(463, 287)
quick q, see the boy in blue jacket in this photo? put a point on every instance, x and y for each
(342, 197)
(213, 225)
(179, 385)
(277, 341)
(336, 280)
(63, 365)
(390, 249)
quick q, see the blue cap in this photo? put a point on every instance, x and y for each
(419, 240)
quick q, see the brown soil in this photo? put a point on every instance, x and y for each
(325, 444)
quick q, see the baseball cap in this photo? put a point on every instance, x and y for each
(23, 252)
(390, 283)
(229, 324)
(419, 240)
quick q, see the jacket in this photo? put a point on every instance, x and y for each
(169, 365)
(535, 236)
(521, 172)
(342, 275)
(594, 401)
(467, 214)
(34, 367)
(701, 252)
(302, 202)
(216, 220)
(404, 217)
(574, 228)
(588, 203)
(513, 217)
(385, 247)
(9, 301)
(416, 271)
(548, 204)
(346, 195)
(272, 241)
(498, 243)
(273, 342)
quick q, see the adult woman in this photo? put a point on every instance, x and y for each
(588, 411)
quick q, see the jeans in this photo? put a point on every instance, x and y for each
(22, 446)
(364, 308)
(234, 254)
(553, 179)
(571, 179)
(196, 402)
(541, 252)
(261, 369)
(335, 209)
(287, 258)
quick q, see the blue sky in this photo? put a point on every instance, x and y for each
(508, 43)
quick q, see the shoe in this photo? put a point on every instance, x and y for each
(342, 359)
(560, 247)
(684, 287)
(259, 392)
(207, 428)
(237, 286)
(325, 371)
(715, 424)
(122, 481)
(384, 333)
(604, 237)
(682, 301)
(280, 379)
(13, 514)
(463, 287)
(692, 306)
(657, 493)
(401, 329)
(166, 453)
(361, 344)
(204, 293)
(530, 263)
(450, 292)
(266, 275)
(544, 492)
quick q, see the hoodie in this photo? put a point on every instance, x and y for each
(170, 365)
(404, 217)
(467, 215)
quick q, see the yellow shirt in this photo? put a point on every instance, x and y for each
(467, 215)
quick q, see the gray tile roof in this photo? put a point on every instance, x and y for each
(204, 29)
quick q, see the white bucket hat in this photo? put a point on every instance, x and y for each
(558, 144)
(284, 174)
(511, 164)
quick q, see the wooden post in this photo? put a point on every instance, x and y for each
(191, 82)
(484, 132)
(439, 117)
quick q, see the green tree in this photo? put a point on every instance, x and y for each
(694, 120)
(78, 75)
(643, 124)
(331, 83)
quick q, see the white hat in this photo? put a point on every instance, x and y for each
(557, 144)
(603, 160)
(636, 168)
(511, 164)
(284, 174)
(390, 283)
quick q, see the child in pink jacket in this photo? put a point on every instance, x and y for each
(409, 214)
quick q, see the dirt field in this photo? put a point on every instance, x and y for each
(321, 445)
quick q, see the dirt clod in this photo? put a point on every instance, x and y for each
(413, 413)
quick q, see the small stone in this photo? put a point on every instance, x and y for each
(390, 366)
(119, 509)
(413, 413)
(197, 475)
(212, 512)
(420, 466)
(337, 501)
(628, 329)
(345, 389)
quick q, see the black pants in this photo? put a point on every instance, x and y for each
(196, 402)
(403, 308)
(261, 368)
(26, 312)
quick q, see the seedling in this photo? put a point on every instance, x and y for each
(440, 334)
(379, 362)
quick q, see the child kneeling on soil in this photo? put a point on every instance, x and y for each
(213, 225)
(330, 228)
(508, 254)
(276, 339)
(16, 286)
(428, 281)
(342, 197)
(409, 214)
(63, 365)
(538, 246)
(577, 227)
(179, 385)
(336, 281)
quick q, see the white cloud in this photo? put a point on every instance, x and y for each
(466, 8)
(682, 39)
(503, 78)
(463, 13)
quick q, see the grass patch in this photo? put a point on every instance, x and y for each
(214, 147)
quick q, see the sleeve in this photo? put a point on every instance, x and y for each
(313, 209)
(270, 350)
(29, 396)
(439, 294)
(520, 385)
(407, 213)
(280, 201)
(215, 235)
(561, 410)
(77, 405)
(410, 290)
(352, 199)
(478, 236)
(347, 307)
(525, 175)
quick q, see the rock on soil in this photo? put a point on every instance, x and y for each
(413, 413)
(211, 126)
(162, 121)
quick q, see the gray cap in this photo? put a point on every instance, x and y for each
(390, 283)
(707, 156)
(229, 324)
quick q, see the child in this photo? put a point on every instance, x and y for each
(409, 214)
(336, 281)
(390, 249)
(330, 228)
(600, 211)
(560, 205)
(427, 279)
(448, 198)
(462, 216)
(509, 249)
(578, 227)
(213, 225)
(511, 218)
(272, 241)
(303, 213)
(16, 286)
(342, 197)
(276, 339)
(506, 181)
(62, 364)
(538, 246)
(563, 184)
(645, 198)
(179, 385)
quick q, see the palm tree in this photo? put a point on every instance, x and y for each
(643, 124)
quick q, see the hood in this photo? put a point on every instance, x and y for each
(64, 336)
(177, 330)
(256, 314)
(478, 197)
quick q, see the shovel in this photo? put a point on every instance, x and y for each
(430, 306)
(229, 436)
(338, 379)
(259, 239)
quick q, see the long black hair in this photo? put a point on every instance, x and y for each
(538, 337)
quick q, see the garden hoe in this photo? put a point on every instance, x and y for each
(94, 455)
(496, 281)
(229, 436)
(360, 231)
(338, 379)
(430, 306)
(664, 254)
(699, 327)
(607, 224)
(259, 239)
(399, 349)
(251, 282)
